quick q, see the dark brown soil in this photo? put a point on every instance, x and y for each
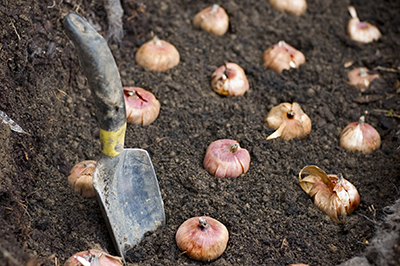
(271, 221)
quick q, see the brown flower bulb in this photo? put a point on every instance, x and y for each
(212, 19)
(289, 121)
(225, 158)
(294, 7)
(157, 55)
(229, 79)
(332, 194)
(361, 78)
(282, 56)
(360, 136)
(202, 238)
(93, 258)
(80, 178)
(359, 31)
(142, 108)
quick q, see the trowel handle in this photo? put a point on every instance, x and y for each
(105, 83)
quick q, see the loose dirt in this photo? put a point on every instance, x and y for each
(271, 221)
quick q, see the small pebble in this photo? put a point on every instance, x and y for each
(333, 248)
(311, 93)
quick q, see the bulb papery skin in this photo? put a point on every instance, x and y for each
(362, 32)
(360, 136)
(93, 257)
(157, 55)
(289, 121)
(212, 19)
(202, 243)
(80, 178)
(294, 7)
(361, 78)
(332, 194)
(282, 56)
(142, 107)
(225, 158)
(229, 79)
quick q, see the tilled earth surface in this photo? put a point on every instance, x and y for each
(270, 219)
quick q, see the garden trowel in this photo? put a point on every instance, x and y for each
(124, 179)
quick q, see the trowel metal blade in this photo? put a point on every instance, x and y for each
(128, 192)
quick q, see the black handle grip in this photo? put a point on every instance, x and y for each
(105, 83)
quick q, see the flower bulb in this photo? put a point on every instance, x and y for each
(361, 78)
(80, 178)
(360, 136)
(225, 158)
(212, 19)
(142, 108)
(93, 258)
(332, 194)
(157, 55)
(294, 7)
(229, 79)
(282, 56)
(289, 121)
(360, 31)
(202, 238)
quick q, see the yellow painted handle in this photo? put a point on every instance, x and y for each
(112, 142)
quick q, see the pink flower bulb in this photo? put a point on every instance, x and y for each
(142, 107)
(93, 257)
(202, 238)
(225, 158)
